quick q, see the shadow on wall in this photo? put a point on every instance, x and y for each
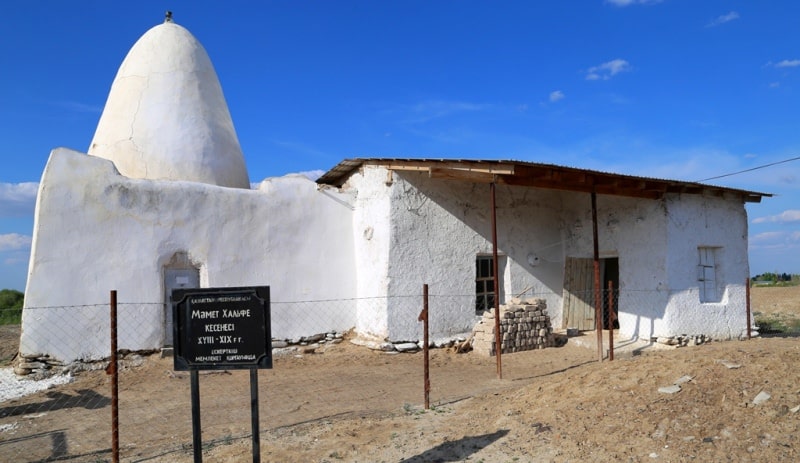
(470, 204)
(637, 331)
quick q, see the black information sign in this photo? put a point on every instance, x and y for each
(222, 328)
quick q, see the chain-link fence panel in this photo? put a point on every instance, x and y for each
(50, 410)
(56, 395)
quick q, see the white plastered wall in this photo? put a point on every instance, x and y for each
(96, 230)
(705, 221)
(371, 238)
(634, 231)
(436, 229)
(656, 243)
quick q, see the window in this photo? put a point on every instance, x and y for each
(484, 284)
(707, 274)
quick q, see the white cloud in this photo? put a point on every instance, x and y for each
(724, 19)
(556, 95)
(312, 175)
(622, 3)
(79, 107)
(18, 199)
(791, 215)
(17, 258)
(14, 242)
(787, 178)
(428, 110)
(608, 69)
(766, 236)
(778, 243)
(788, 63)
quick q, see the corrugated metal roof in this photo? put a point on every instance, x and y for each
(536, 175)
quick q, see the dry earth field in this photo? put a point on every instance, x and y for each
(346, 403)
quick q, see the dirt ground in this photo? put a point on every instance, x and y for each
(347, 403)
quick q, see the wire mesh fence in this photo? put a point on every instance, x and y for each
(55, 392)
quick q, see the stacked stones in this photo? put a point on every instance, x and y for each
(41, 366)
(523, 326)
(331, 337)
(682, 340)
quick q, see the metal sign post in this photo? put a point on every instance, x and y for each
(222, 329)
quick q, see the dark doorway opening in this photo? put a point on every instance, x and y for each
(609, 274)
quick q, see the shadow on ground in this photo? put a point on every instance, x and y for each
(457, 450)
(86, 398)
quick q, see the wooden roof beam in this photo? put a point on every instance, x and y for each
(422, 166)
(605, 181)
(463, 175)
(578, 187)
(570, 177)
(659, 187)
(534, 172)
(629, 192)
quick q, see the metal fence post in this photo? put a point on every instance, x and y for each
(112, 370)
(497, 335)
(611, 318)
(747, 307)
(423, 317)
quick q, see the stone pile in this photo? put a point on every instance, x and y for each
(332, 337)
(42, 366)
(305, 344)
(406, 346)
(682, 340)
(523, 326)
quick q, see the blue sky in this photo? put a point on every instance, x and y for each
(676, 89)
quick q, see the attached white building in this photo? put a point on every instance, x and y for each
(161, 200)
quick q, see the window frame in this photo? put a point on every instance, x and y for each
(707, 274)
(485, 292)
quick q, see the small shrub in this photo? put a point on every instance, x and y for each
(777, 325)
(10, 316)
(11, 306)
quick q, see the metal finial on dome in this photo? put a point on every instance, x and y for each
(168, 17)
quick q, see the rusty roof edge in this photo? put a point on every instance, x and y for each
(337, 175)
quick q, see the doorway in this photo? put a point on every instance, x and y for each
(609, 274)
(578, 307)
(178, 274)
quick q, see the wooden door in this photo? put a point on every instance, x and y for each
(578, 298)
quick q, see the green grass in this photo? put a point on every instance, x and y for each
(775, 284)
(10, 316)
(11, 306)
(777, 324)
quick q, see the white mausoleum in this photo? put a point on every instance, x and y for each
(162, 200)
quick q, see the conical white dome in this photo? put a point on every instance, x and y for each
(166, 117)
